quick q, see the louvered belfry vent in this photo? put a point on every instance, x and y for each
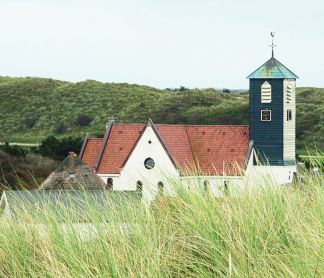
(266, 92)
(289, 94)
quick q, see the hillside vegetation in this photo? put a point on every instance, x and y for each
(24, 172)
(34, 108)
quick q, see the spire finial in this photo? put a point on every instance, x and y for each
(272, 34)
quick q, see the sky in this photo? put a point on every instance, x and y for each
(161, 43)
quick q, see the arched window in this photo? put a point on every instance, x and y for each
(139, 186)
(226, 190)
(160, 188)
(266, 92)
(110, 183)
(206, 185)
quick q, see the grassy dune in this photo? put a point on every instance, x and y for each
(34, 108)
(271, 233)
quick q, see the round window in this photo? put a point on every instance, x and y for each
(149, 163)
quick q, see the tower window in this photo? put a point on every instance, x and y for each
(266, 92)
(265, 115)
(289, 115)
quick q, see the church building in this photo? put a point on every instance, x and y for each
(223, 159)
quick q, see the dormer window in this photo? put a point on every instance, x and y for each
(266, 92)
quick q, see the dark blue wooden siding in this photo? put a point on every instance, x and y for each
(267, 136)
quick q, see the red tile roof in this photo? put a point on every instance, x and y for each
(176, 141)
(209, 149)
(219, 148)
(121, 140)
(91, 151)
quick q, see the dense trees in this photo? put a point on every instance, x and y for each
(58, 149)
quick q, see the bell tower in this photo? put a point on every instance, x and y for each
(272, 112)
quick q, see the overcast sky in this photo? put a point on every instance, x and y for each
(161, 43)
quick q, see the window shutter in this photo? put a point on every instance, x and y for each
(289, 94)
(266, 92)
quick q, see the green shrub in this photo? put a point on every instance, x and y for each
(14, 150)
(58, 149)
(61, 128)
(30, 122)
(83, 120)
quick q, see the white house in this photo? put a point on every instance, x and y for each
(220, 158)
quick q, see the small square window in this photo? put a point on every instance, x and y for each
(265, 115)
(289, 115)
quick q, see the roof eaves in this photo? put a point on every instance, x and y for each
(133, 148)
(278, 66)
(150, 124)
(85, 140)
(103, 144)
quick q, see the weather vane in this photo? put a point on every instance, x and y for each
(272, 34)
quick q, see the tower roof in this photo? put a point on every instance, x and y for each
(272, 69)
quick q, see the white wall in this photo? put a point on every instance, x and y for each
(148, 146)
(116, 180)
(165, 172)
(215, 184)
(289, 127)
(258, 176)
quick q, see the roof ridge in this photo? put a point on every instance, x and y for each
(278, 66)
(202, 125)
(152, 125)
(259, 68)
(103, 145)
(277, 61)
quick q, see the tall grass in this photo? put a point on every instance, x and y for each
(270, 233)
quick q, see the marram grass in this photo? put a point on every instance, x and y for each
(271, 233)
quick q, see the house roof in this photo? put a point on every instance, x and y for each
(90, 150)
(272, 69)
(73, 173)
(207, 150)
(121, 140)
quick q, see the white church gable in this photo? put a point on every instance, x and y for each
(148, 147)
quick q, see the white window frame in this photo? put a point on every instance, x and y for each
(270, 115)
(266, 92)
